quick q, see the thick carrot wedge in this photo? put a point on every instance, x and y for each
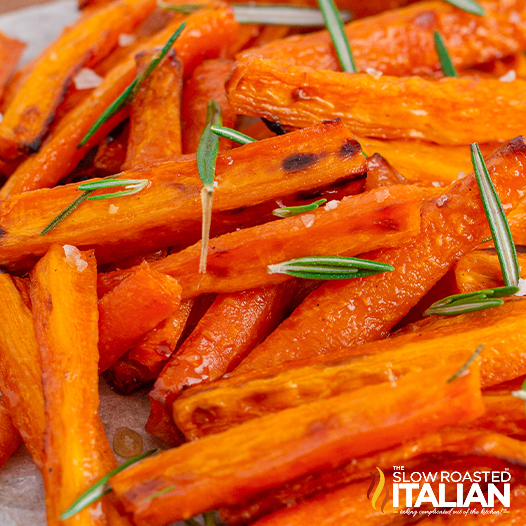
(291, 444)
(132, 309)
(300, 96)
(155, 116)
(76, 451)
(20, 370)
(168, 211)
(481, 270)
(366, 309)
(207, 83)
(380, 217)
(207, 30)
(10, 438)
(10, 52)
(400, 42)
(381, 173)
(434, 341)
(90, 39)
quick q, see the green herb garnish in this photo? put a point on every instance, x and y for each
(129, 93)
(288, 211)
(334, 25)
(65, 213)
(101, 488)
(522, 393)
(466, 366)
(498, 224)
(233, 135)
(206, 156)
(470, 6)
(329, 267)
(445, 60)
(271, 15)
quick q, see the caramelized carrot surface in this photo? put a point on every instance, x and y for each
(10, 438)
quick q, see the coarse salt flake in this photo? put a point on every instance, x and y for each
(522, 287)
(442, 200)
(331, 205)
(86, 79)
(113, 209)
(308, 219)
(74, 257)
(436, 184)
(461, 175)
(126, 39)
(509, 77)
(382, 195)
(374, 73)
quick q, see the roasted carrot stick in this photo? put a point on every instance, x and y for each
(300, 96)
(90, 39)
(168, 211)
(434, 341)
(10, 438)
(400, 42)
(380, 217)
(132, 309)
(155, 116)
(268, 452)
(381, 173)
(367, 308)
(111, 152)
(20, 370)
(206, 83)
(207, 30)
(10, 52)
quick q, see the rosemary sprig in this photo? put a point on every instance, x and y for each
(206, 156)
(498, 223)
(334, 25)
(466, 366)
(470, 6)
(470, 301)
(329, 267)
(287, 211)
(129, 93)
(233, 135)
(131, 186)
(445, 60)
(272, 15)
(101, 488)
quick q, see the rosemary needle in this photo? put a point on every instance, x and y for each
(288, 211)
(445, 60)
(233, 135)
(470, 6)
(466, 366)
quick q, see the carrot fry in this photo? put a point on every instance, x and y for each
(230, 329)
(10, 438)
(206, 83)
(133, 308)
(154, 112)
(381, 173)
(207, 30)
(294, 442)
(300, 96)
(64, 298)
(378, 218)
(168, 211)
(400, 42)
(111, 152)
(367, 309)
(90, 39)
(10, 52)
(480, 269)
(20, 369)
(434, 341)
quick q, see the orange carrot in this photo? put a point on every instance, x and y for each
(10, 438)
(111, 152)
(381, 173)
(10, 52)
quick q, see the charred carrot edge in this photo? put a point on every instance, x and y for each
(10, 438)
(90, 39)
(168, 212)
(20, 369)
(377, 302)
(379, 218)
(230, 329)
(155, 116)
(452, 340)
(300, 96)
(294, 442)
(64, 299)
(60, 155)
(206, 83)
(385, 42)
(132, 309)
(10, 53)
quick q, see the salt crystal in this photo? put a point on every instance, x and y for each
(74, 257)
(126, 40)
(308, 219)
(435, 183)
(442, 200)
(113, 209)
(374, 73)
(382, 195)
(86, 79)
(331, 205)
(461, 175)
(522, 287)
(509, 77)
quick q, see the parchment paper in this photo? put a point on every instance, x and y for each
(21, 488)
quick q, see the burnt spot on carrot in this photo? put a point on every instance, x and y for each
(3, 232)
(350, 147)
(299, 161)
